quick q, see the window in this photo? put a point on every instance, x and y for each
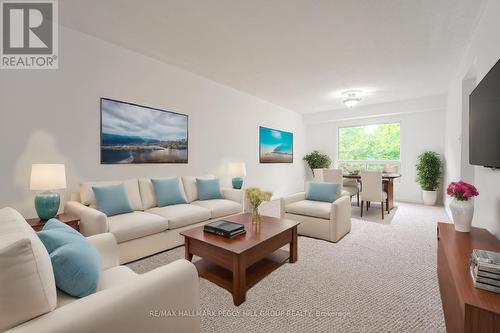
(370, 147)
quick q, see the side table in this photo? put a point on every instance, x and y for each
(68, 219)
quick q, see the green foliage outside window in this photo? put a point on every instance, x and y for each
(372, 142)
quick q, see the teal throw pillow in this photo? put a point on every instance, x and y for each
(112, 200)
(208, 189)
(319, 191)
(168, 192)
(75, 261)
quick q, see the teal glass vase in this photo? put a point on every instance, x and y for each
(47, 205)
(237, 183)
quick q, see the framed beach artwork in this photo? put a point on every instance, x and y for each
(275, 146)
(132, 133)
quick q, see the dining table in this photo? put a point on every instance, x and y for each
(387, 184)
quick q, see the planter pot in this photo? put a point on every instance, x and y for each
(462, 213)
(430, 197)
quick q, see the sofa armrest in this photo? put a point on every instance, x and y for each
(108, 249)
(234, 195)
(92, 221)
(163, 300)
(285, 201)
(340, 217)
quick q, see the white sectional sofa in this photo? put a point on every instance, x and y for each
(124, 302)
(151, 229)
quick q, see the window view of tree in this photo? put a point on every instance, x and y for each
(372, 147)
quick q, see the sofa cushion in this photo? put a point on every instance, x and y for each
(76, 262)
(181, 215)
(112, 199)
(148, 194)
(169, 192)
(219, 207)
(135, 225)
(190, 188)
(318, 209)
(25, 272)
(208, 189)
(87, 196)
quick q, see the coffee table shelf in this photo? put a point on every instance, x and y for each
(238, 264)
(224, 277)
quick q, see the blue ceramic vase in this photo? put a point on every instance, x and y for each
(47, 205)
(237, 183)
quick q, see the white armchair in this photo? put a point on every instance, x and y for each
(124, 301)
(324, 220)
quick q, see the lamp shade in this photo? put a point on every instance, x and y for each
(237, 169)
(46, 177)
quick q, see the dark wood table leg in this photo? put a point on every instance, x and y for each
(187, 254)
(239, 279)
(390, 194)
(294, 246)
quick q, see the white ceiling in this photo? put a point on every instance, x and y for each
(300, 54)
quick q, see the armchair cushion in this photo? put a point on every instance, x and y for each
(115, 276)
(318, 209)
(135, 225)
(76, 262)
(319, 191)
(220, 207)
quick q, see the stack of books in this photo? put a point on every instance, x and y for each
(485, 270)
(225, 228)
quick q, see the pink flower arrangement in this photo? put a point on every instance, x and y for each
(462, 191)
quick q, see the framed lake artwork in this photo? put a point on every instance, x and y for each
(275, 146)
(132, 133)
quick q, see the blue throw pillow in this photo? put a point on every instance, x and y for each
(319, 191)
(208, 189)
(75, 261)
(112, 200)
(168, 192)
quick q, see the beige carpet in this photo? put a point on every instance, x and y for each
(379, 278)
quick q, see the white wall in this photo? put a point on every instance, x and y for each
(52, 116)
(482, 53)
(422, 128)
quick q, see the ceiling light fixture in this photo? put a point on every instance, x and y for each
(352, 98)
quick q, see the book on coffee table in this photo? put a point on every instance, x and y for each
(225, 228)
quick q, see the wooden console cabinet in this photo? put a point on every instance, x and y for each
(466, 308)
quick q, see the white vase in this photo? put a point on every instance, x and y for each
(429, 197)
(462, 212)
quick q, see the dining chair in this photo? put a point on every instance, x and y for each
(372, 190)
(351, 186)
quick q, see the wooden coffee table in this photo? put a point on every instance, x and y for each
(238, 264)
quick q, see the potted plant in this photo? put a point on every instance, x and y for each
(462, 205)
(317, 160)
(429, 170)
(256, 197)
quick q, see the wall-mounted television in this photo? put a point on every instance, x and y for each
(132, 133)
(484, 121)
